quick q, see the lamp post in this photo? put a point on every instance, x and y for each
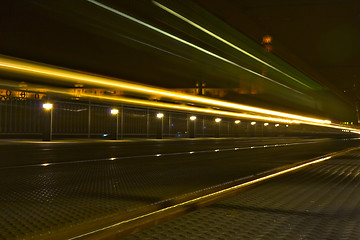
(115, 112)
(253, 131)
(218, 120)
(192, 126)
(47, 121)
(159, 127)
(237, 122)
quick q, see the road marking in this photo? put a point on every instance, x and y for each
(157, 155)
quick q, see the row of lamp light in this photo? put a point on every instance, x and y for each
(115, 111)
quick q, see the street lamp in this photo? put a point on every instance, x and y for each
(47, 117)
(47, 106)
(266, 124)
(218, 120)
(277, 125)
(237, 121)
(159, 125)
(193, 127)
(114, 112)
(253, 123)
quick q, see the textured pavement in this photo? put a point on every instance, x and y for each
(50, 188)
(318, 202)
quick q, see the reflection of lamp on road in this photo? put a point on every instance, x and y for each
(115, 112)
(193, 126)
(47, 124)
(159, 125)
(218, 120)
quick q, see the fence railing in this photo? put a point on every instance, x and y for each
(25, 118)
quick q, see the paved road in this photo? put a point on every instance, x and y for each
(50, 188)
(320, 202)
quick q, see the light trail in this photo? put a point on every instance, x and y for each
(225, 41)
(75, 77)
(186, 42)
(185, 108)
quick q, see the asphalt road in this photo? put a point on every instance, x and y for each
(52, 188)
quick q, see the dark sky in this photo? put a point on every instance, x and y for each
(321, 37)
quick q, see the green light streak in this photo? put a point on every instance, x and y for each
(226, 42)
(187, 43)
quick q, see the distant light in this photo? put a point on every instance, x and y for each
(276, 125)
(114, 111)
(160, 115)
(217, 150)
(193, 118)
(237, 121)
(158, 155)
(217, 120)
(287, 126)
(266, 124)
(236, 149)
(191, 152)
(45, 164)
(47, 106)
(253, 123)
(112, 159)
(105, 135)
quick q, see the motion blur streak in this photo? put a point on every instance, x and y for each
(225, 41)
(75, 77)
(187, 43)
(195, 200)
(186, 108)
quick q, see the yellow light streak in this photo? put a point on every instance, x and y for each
(225, 41)
(189, 109)
(198, 199)
(75, 77)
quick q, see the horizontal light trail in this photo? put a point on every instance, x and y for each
(225, 41)
(187, 108)
(76, 77)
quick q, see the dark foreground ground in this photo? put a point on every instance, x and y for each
(53, 190)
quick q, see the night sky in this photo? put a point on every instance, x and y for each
(319, 38)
